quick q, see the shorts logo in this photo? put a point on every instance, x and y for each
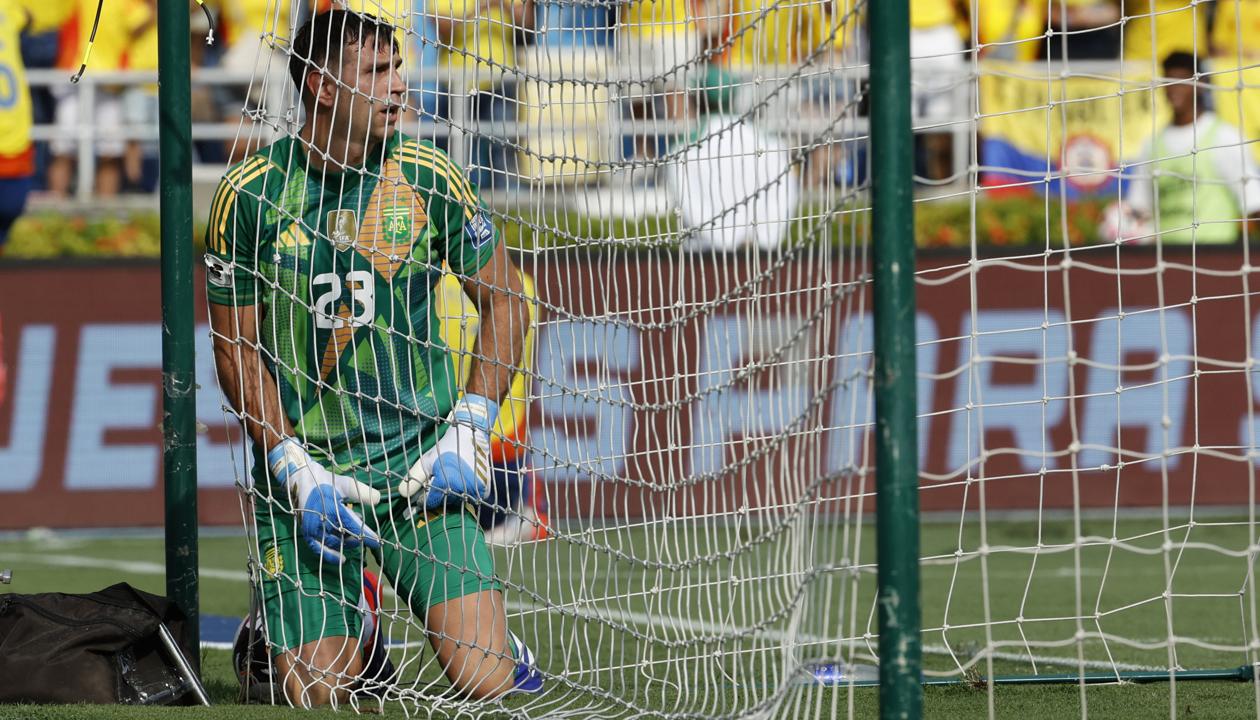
(219, 272)
(343, 228)
(273, 561)
(479, 230)
(397, 221)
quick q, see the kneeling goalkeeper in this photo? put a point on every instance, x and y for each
(323, 251)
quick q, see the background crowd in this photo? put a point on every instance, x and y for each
(487, 64)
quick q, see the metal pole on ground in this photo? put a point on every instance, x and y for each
(179, 389)
(896, 446)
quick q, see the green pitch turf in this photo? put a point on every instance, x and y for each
(1120, 589)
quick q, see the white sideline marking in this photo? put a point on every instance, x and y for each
(133, 566)
(626, 616)
(148, 568)
(705, 627)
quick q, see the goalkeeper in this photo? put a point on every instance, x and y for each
(323, 250)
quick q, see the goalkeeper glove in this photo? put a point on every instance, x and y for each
(457, 468)
(319, 499)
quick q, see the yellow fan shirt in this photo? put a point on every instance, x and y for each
(1176, 27)
(16, 159)
(931, 13)
(143, 52)
(1016, 29)
(483, 45)
(1235, 19)
(254, 17)
(654, 18)
(765, 32)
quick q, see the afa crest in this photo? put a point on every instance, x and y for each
(397, 223)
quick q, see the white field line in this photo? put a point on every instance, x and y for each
(133, 566)
(625, 616)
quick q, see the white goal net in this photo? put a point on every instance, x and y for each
(681, 512)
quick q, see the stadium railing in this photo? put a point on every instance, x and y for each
(844, 87)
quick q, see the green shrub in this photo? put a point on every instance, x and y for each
(48, 235)
(1000, 223)
(1017, 221)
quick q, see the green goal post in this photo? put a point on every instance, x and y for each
(179, 387)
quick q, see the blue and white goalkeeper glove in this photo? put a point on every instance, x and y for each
(457, 469)
(319, 499)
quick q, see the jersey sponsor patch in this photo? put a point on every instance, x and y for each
(343, 228)
(219, 272)
(479, 230)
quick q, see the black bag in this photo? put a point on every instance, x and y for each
(112, 646)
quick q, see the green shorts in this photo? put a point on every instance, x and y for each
(428, 559)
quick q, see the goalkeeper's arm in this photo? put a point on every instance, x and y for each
(245, 380)
(457, 469)
(318, 496)
(499, 296)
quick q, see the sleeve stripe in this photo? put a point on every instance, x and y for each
(227, 188)
(225, 198)
(227, 208)
(231, 181)
(455, 180)
(453, 172)
(440, 163)
(455, 192)
(221, 197)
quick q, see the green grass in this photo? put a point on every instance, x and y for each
(647, 651)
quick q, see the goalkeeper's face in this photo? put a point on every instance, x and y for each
(370, 94)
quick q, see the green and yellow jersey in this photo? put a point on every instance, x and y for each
(342, 267)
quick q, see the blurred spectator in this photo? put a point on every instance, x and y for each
(106, 115)
(566, 23)
(566, 110)
(1236, 66)
(478, 40)
(140, 101)
(770, 41)
(760, 34)
(1017, 29)
(657, 44)
(734, 187)
(1084, 30)
(1195, 178)
(256, 34)
(424, 63)
(657, 50)
(834, 97)
(1010, 29)
(40, 51)
(1155, 29)
(207, 107)
(1236, 34)
(478, 64)
(17, 154)
(938, 73)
